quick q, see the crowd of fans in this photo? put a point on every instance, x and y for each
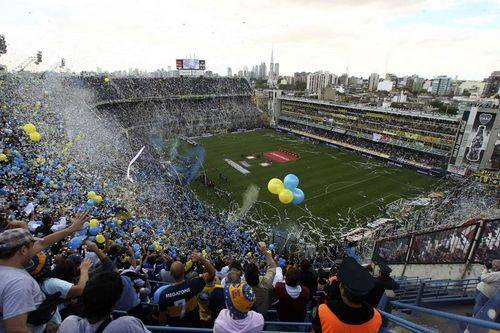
(68, 259)
(391, 122)
(110, 88)
(77, 250)
(425, 159)
(214, 115)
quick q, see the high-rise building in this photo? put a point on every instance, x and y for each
(300, 76)
(318, 80)
(255, 72)
(262, 70)
(492, 84)
(273, 78)
(417, 84)
(277, 69)
(441, 85)
(471, 88)
(344, 79)
(229, 72)
(373, 81)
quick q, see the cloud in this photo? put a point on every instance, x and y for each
(366, 35)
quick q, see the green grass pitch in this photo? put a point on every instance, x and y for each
(334, 181)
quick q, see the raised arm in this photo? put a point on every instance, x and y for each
(51, 239)
(77, 289)
(267, 280)
(210, 274)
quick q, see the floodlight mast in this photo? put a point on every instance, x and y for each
(36, 59)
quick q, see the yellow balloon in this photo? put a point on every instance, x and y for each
(106, 79)
(93, 223)
(97, 199)
(35, 136)
(119, 222)
(29, 128)
(100, 239)
(275, 186)
(91, 195)
(3, 158)
(286, 196)
(159, 248)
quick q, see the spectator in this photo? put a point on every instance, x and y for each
(178, 304)
(216, 300)
(293, 297)
(238, 317)
(350, 313)
(382, 283)
(20, 294)
(489, 285)
(309, 278)
(59, 281)
(261, 285)
(206, 315)
(99, 298)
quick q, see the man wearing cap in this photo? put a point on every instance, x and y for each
(382, 283)
(350, 313)
(19, 292)
(238, 317)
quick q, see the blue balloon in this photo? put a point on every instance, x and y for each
(94, 231)
(91, 202)
(271, 247)
(92, 238)
(281, 262)
(291, 181)
(151, 247)
(138, 255)
(76, 242)
(298, 196)
(136, 247)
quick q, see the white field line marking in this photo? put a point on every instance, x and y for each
(341, 188)
(378, 199)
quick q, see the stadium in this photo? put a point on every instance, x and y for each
(156, 168)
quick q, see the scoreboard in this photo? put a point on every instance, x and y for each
(190, 64)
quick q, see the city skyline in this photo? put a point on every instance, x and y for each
(452, 37)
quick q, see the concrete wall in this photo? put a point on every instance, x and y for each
(438, 271)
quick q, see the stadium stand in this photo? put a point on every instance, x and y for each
(411, 138)
(102, 261)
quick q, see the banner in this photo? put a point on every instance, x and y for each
(489, 245)
(449, 246)
(391, 251)
(480, 135)
(459, 138)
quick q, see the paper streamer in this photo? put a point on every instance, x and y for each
(132, 162)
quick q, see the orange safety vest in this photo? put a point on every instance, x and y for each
(330, 323)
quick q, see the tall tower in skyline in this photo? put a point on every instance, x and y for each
(271, 81)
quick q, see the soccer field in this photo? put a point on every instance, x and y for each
(335, 182)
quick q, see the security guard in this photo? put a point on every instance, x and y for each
(350, 313)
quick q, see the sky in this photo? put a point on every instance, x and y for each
(428, 38)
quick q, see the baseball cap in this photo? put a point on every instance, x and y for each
(356, 279)
(239, 299)
(13, 238)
